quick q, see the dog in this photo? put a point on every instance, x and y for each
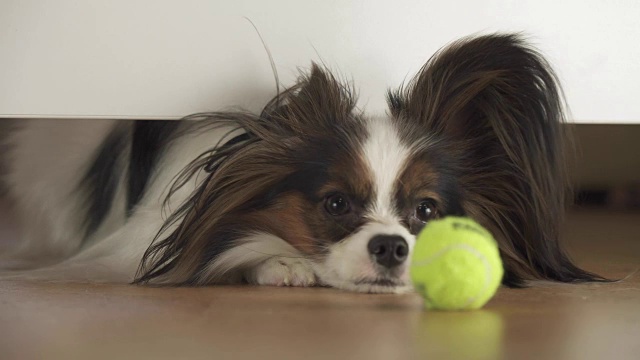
(310, 191)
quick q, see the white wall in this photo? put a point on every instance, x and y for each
(157, 59)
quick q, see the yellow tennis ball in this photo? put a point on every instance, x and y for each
(456, 264)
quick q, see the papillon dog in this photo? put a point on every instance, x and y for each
(310, 191)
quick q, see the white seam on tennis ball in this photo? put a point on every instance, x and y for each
(473, 251)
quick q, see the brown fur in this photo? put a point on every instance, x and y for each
(418, 181)
(286, 219)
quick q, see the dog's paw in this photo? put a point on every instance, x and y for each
(283, 272)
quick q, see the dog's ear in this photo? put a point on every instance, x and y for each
(492, 81)
(240, 174)
(498, 105)
(321, 92)
(318, 101)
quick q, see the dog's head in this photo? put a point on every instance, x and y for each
(477, 132)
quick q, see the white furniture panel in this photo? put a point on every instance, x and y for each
(166, 59)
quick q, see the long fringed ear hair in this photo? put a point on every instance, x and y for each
(497, 104)
(240, 173)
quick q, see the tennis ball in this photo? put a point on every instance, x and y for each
(456, 264)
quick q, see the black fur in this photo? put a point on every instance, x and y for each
(100, 182)
(7, 126)
(148, 141)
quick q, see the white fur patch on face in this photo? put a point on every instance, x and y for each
(386, 157)
(350, 266)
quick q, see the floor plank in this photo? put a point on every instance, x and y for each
(593, 321)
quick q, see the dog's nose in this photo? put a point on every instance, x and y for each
(388, 250)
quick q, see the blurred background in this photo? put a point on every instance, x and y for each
(165, 59)
(606, 172)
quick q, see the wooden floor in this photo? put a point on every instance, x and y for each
(548, 321)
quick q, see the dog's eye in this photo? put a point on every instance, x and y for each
(426, 211)
(337, 204)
